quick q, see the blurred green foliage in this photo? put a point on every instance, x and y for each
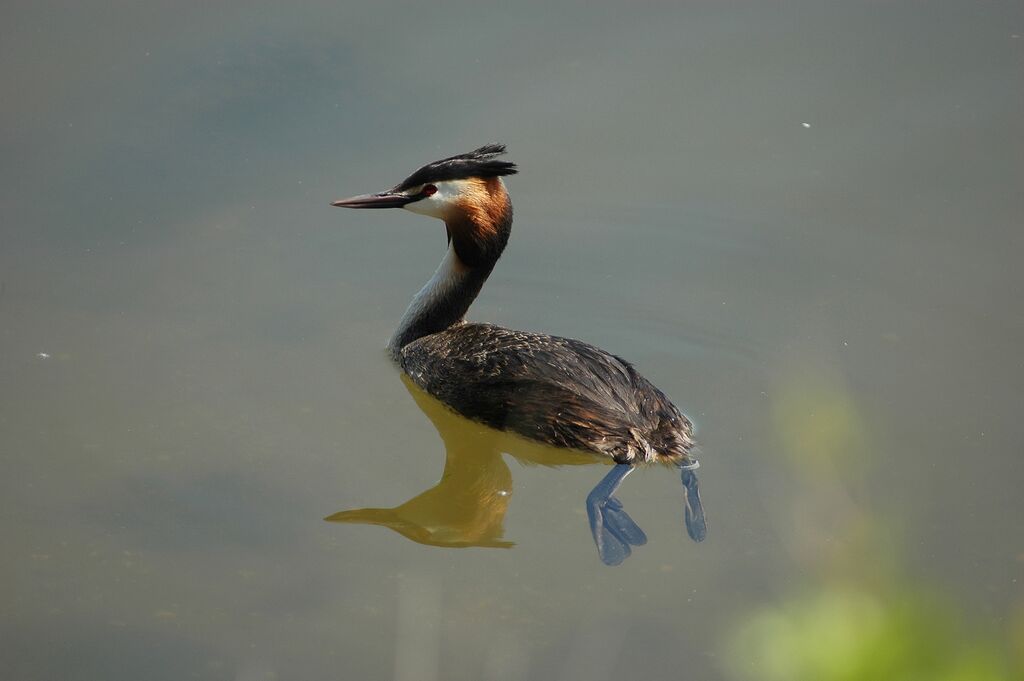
(841, 633)
(867, 620)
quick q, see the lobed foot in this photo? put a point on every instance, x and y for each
(614, 531)
(696, 524)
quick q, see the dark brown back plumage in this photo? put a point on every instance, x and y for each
(556, 390)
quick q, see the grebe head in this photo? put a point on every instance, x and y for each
(466, 191)
(463, 185)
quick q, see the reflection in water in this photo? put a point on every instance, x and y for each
(467, 506)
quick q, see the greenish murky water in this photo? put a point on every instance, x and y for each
(802, 221)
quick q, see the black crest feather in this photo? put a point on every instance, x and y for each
(482, 162)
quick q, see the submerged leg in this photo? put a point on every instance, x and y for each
(614, 531)
(696, 525)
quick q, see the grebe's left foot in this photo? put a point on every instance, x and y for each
(614, 531)
(696, 525)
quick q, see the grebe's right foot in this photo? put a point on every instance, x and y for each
(614, 531)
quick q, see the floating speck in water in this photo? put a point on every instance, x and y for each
(43, 355)
(806, 125)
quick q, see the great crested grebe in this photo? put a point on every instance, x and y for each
(558, 391)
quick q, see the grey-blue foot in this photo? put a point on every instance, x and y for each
(614, 531)
(696, 525)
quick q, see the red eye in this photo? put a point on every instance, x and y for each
(429, 190)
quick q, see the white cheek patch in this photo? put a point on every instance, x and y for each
(442, 201)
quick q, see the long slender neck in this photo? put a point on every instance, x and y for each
(476, 239)
(441, 303)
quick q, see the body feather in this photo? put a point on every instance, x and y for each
(551, 389)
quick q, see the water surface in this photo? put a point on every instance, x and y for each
(801, 221)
